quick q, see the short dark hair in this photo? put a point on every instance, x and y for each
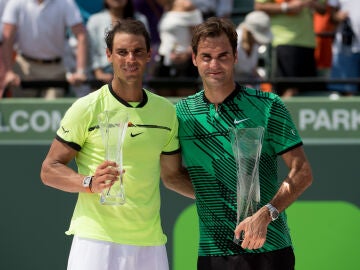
(214, 27)
(129, 26)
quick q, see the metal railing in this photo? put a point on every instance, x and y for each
(171, 83)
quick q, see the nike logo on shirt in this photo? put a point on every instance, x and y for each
(239, 121)
(135, 134)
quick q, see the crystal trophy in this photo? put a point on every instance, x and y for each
(246, 145)
(113, 125)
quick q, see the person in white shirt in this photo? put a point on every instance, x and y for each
(253, 32)
(174, 54)
(38, 29)
(175, 29)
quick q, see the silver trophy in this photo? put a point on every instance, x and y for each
(246, 145)
(113, 125)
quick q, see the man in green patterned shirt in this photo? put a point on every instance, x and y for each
(204, 122)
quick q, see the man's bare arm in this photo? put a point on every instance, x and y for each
(175, 176)
(297, 181)
(56, 173)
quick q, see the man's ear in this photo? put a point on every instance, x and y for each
(149, 56)
(108, 55)
(193, 57)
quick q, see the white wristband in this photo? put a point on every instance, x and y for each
(284, 7)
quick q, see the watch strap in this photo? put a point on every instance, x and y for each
(274, 213)
(87, 183)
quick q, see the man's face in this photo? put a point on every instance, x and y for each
(129, 57)
(215, 60)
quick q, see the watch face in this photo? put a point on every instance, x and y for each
(86, 181)
(274, 214)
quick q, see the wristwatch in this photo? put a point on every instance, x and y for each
(274, 213)
(87, 183)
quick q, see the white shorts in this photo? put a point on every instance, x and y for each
(89, 254)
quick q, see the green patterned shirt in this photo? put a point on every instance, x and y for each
(207, 152)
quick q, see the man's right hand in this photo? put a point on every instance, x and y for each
(105, 176)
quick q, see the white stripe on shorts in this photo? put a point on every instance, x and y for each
(89, 254)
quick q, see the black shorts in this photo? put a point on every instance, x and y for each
(283, 259)
(296, 62)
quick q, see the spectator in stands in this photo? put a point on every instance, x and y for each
(294, 40)
(3, 83)
(97, 26)
(87, 8)
(38, 30)
(252, 32)
(219, 8)
(346, 46)
(324, 29)
(153, 10)
(69, 60)
(175, 27)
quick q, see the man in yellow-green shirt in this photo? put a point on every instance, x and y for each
(128, 236)
(294, 40)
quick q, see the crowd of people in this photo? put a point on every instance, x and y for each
(293, 44)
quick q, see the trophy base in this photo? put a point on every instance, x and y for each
(112, 200)
(238, 241)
